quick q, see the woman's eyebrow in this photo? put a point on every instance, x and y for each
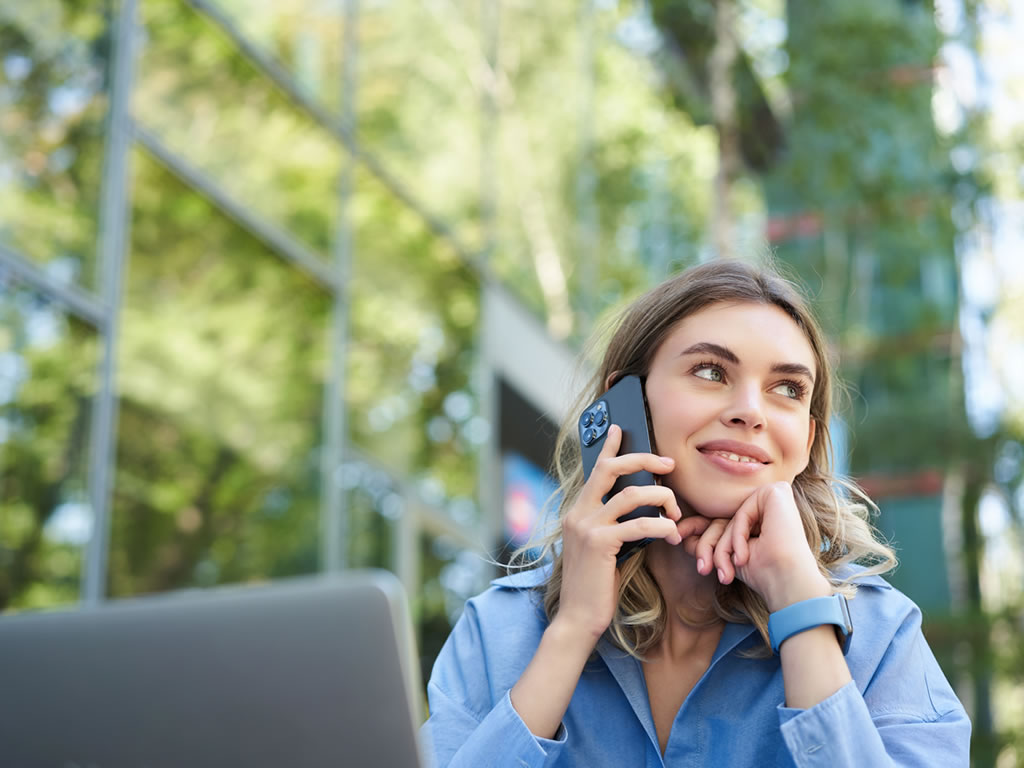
(793, 369)
(707, 348)
(710, 348)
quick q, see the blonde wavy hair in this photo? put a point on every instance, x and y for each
(834, 511)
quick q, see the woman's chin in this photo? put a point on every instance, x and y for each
(717, 513)
(719, 508)
(716, 500)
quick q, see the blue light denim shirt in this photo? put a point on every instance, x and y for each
(899, 710)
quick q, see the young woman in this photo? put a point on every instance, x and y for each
(725, 641)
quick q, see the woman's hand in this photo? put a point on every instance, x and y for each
(592, 537)
(764, 544)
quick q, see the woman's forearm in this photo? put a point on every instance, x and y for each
(813, 667)
(542, 694)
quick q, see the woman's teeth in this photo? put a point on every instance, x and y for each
(736, 457)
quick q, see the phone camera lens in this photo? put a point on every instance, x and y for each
(602, 417)
(588, 436)
(588, 418)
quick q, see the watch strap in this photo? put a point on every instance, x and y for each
(808, 614)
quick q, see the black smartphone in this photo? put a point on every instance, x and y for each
(623, 404)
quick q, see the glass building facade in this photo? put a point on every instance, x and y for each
(265, 269)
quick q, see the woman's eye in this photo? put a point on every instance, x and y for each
(789, 390)
(709, 372)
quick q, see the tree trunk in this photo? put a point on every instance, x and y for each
(983, 741)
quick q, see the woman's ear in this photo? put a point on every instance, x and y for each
(612, 378)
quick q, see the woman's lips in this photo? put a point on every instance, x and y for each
(734, 463)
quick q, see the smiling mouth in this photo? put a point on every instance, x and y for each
(734, 457)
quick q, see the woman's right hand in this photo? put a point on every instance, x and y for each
(592, 535)
(591, 540)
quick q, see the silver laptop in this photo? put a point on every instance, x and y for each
(315, 672)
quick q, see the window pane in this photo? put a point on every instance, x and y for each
(47, 382)
(415, 310)
(53, 103)
(202, 98)
(450, 576)
(372, 503)
(222, 359)
(605, 189)
(303, 35)
(420, 74)
(540, 56)
(652, 170)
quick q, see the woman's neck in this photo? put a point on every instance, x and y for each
(689, 600)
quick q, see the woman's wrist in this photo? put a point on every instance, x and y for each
(542, 695)
(565, 634)
(800, 587)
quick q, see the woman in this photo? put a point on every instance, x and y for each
(719, 643)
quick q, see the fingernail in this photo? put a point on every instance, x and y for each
(667, 459)
(677, 539)
(700, 565)
(721, 576)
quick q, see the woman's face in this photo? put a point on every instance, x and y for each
(729, 392)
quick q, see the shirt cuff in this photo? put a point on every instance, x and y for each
(518, 740)
(831, 731)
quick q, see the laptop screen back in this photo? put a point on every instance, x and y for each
(315, 672)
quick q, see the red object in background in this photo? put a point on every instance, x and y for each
(520, 514)
(804, 224)
(927, 482)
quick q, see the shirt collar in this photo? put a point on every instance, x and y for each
(629, 674)
(519, 579)
(854, 574)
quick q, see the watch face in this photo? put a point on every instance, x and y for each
(844, 641)
(845, 608)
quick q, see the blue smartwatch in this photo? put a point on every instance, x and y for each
(808, 614)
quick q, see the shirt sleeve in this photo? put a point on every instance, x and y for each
(907, 715)
(469, 725)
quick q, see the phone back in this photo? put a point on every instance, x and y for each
(622, 404)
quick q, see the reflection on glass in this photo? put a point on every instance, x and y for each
(47, 382)
(205, 101)
(53, 103)
(537, 154)
(304, 35)
(220, 377)
(652, 169)
(450, 576)
(421, 73)
(604, 190)
(372, 504)
(414, 314)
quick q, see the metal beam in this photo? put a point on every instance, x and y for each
(489, 479)
(71, 298)
(333, 508)
(587, 232)
(341, 128)
(112, 244)
(273, 237)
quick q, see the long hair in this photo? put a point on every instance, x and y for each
(834, 511)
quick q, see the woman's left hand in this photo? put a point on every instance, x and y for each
(765, 546)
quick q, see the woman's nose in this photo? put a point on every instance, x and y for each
(745, 409)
